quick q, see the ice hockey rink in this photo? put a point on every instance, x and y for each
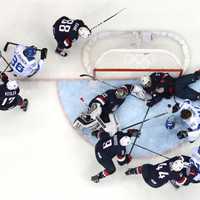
(41, 156)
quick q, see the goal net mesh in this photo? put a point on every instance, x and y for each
(131, 54)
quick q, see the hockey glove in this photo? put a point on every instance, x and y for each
(182, 134)
(131, 171)
(134, 132)
(175, 108)
(127, 160)
(155, 99)
(43, 53)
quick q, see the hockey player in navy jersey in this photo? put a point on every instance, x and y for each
(195, 161)
(108, 147)
(9, 95)
(101, 109)
(177, 170)
(161, 85)
(66, 31)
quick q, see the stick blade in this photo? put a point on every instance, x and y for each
(6, 46)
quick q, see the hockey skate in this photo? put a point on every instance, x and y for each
(131, 171)
(61, 52)
(95, 178)
(25, 105)
(173, 182)
(197, 74)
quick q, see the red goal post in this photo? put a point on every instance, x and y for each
(131, 54)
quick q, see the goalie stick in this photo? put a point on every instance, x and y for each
(139, 131)
(108, 84)
(99, 24)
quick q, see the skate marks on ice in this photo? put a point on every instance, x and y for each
(154, 134)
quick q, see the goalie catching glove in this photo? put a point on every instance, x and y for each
(95, 110)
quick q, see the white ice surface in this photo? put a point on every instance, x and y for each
(42, 157)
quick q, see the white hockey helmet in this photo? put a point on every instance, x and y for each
(178, 165)
(12, 85)
(125, 141)
(146, 81)
(84, 32)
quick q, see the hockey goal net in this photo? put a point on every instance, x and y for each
(131, 54)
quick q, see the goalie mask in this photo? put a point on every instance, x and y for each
(121, 93)
(84, 32)
(178, 165)
(146, 81)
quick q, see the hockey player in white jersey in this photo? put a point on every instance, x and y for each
(24, 64)
(190, 115)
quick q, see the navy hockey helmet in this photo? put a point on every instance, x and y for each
(121, 92)
(30, 52)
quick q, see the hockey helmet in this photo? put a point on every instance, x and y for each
(178, 165)
(125, 141)
(84, 32)
(121, 92)
(12, 85)
(30, 52)
(186, 114)
(146, 81)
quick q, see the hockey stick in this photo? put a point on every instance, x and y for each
(139, 131)
(107, 19)
(12, 43)
(106, 83)
(142, 147)
(95, 79)
(156, 116)
(8, 64)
